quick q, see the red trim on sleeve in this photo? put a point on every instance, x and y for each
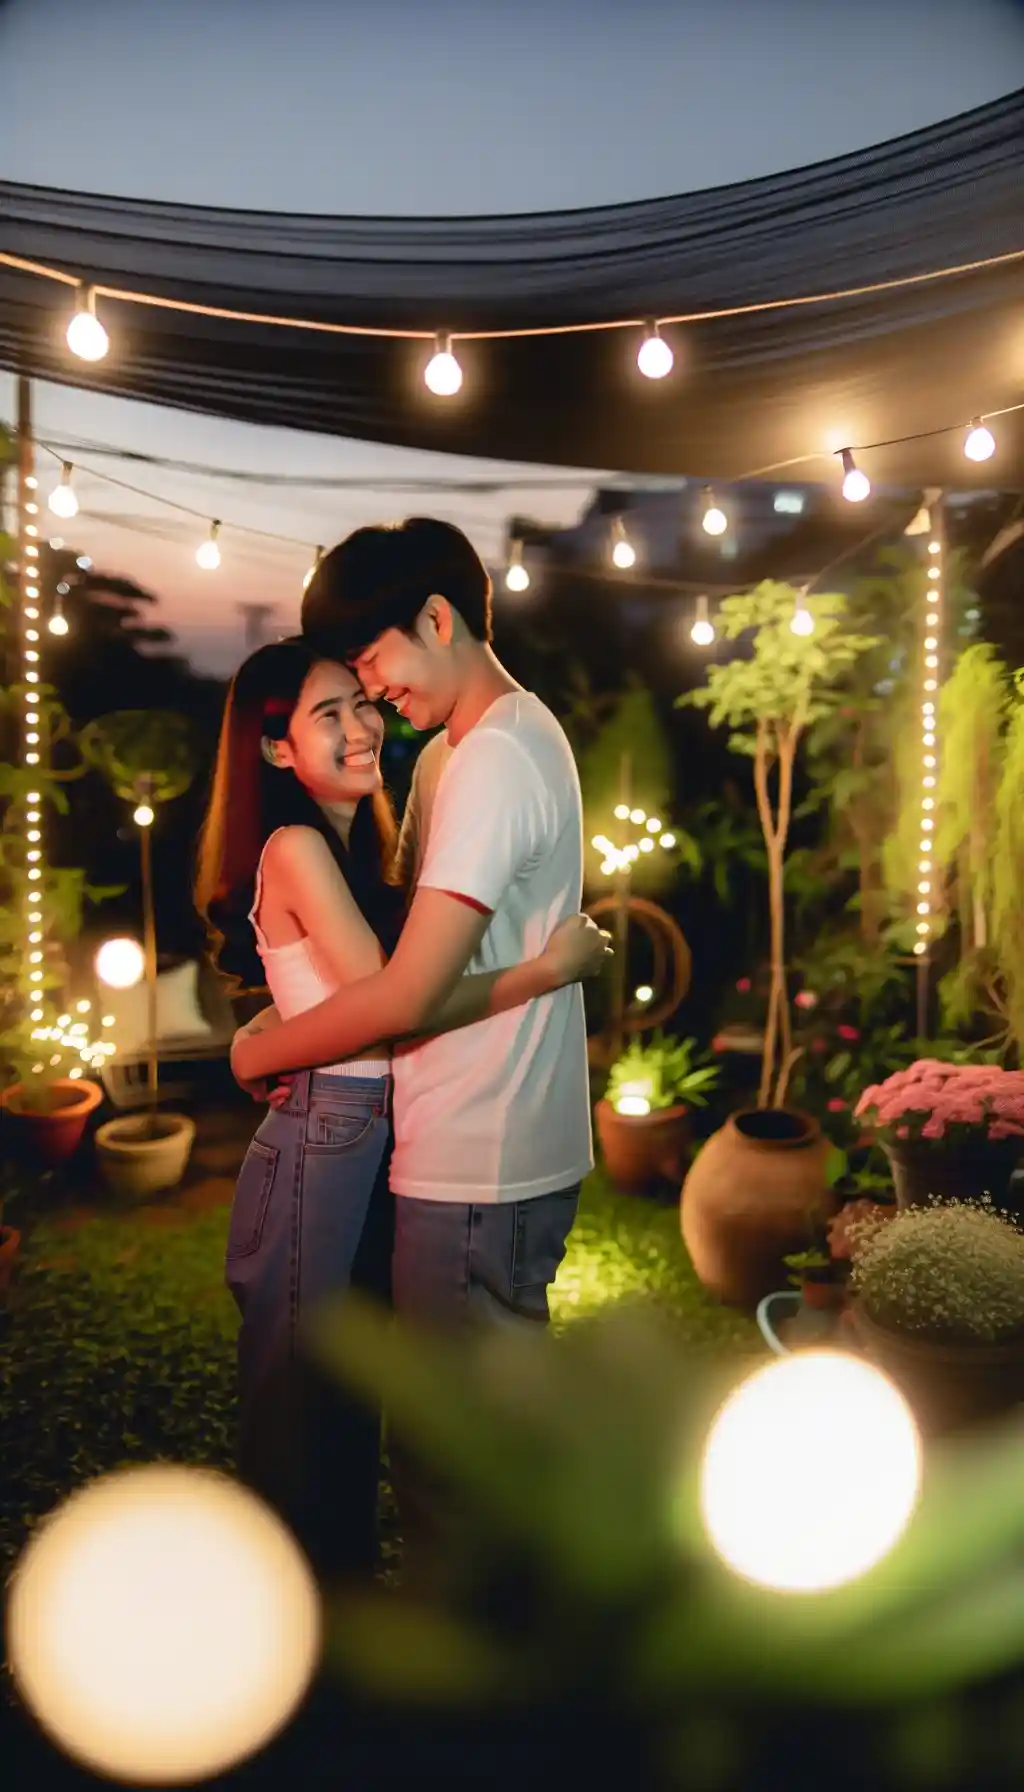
(470, 901)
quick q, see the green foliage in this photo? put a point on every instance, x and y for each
(140, 752)
(729, 843)
(974, 707)
(785, 677)
(664, 1070)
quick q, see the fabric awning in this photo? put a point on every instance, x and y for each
(747, 393)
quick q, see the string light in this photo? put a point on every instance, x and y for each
(702, 633)
(713, 519)
(86, 336)
(654, 358)
(802, 622)
(928, 758)
(208, 553)
(618, 860)
(623, 551)
(311, 571)
(144, 816)
(58, 623)
(62, 500)
(980, 443)
(443, 375)
(516, 576)
(856, 484)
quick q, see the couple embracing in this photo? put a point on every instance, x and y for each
(425, 1053)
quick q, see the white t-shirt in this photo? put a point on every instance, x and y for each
(500, 1111)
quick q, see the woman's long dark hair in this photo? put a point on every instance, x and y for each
(249, 799)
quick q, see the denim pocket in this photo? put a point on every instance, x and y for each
(340, 1125)
(252, 1198)
(542, 1228)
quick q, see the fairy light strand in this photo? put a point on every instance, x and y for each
(930, 636)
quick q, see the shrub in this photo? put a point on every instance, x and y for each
(951, 1274)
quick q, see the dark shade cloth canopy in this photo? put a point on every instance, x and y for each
(747, 392)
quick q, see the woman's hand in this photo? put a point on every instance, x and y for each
(240, 1049)
(577, 949)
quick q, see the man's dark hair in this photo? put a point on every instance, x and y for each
(380, 577)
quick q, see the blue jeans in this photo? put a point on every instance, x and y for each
(456, 1265)
(312, 1216)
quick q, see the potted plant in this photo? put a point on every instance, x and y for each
(759, 1183)
(148, 758)
(815, 1273)
(643, 1120)
(939, 1305)
(950, 1131)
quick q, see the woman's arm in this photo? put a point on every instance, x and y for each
(576, 950)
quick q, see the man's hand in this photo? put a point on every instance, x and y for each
(577, 949)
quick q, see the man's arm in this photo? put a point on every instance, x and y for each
(439, 938)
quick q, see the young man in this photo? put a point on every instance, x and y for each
(492, 1123)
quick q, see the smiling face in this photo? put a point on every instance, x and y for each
(334, 737)
(414, 671)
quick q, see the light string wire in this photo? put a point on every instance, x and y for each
(43, 271)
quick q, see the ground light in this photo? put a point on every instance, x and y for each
(162, 1625)
(811, 1473)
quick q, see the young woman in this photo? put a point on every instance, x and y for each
(296, 884)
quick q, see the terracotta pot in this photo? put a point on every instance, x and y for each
(756, 1194)
(52, 1133)
(923, 1172)
(641, 1150)
(140, 1156)
(948, 1386)
(823, 1297)
(10, 1244)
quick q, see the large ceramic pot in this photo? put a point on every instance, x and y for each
(755, 1195)
(642, 1150)
(924, 1172)
(50, 1131)
(141, 1155)
(948, 1386)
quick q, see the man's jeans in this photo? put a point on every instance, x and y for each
(456, 1265)
(312, 1216)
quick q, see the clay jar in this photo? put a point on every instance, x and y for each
(756, 1193)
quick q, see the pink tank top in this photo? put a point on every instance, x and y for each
(296, 983)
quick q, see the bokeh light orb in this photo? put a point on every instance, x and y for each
(120, 964)
(162, 1625)
(811, 1472)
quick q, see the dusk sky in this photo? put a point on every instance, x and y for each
(428, 108)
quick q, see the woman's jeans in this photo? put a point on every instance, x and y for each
(312, 1217)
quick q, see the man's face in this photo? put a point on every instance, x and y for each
(413, 672)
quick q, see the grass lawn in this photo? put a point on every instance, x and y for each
(118, 1343)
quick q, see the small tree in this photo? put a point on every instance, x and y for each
(768, 697)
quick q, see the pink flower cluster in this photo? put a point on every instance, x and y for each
(931, 1097)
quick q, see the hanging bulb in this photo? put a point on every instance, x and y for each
(62, 500)
(856, 485)
(516, 576)
(713, 520)
(58, 623)
(702, 634)
(443, 374)
(623, 551)
(654, 358)
(86, 336)
(980, 443)
(802, 622)
(208, 553)
(144, 816)
(312, 570)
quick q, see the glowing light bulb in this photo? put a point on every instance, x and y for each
(163, 1625)
(668, 841)
(58, 623)
(622, 811)
(980, 443)
(920, 948)
(850, 1477)
(208, 553)
(856, 485)
(802, 622)
(516, 576)
(654, 359)
(653, 825)
(623, 551)
(647, 845)
(702, 633)
(62, 500)
(120, 964)
(713, 519)
(144, 816)
(635, 1106)
(638, 817)
(443, 375)
(86, 336)
(645, 993)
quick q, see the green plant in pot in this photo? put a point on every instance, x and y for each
(760, 1185)
(643, 1120)
(950, 1131)
(938, 1302)
(148, 758)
